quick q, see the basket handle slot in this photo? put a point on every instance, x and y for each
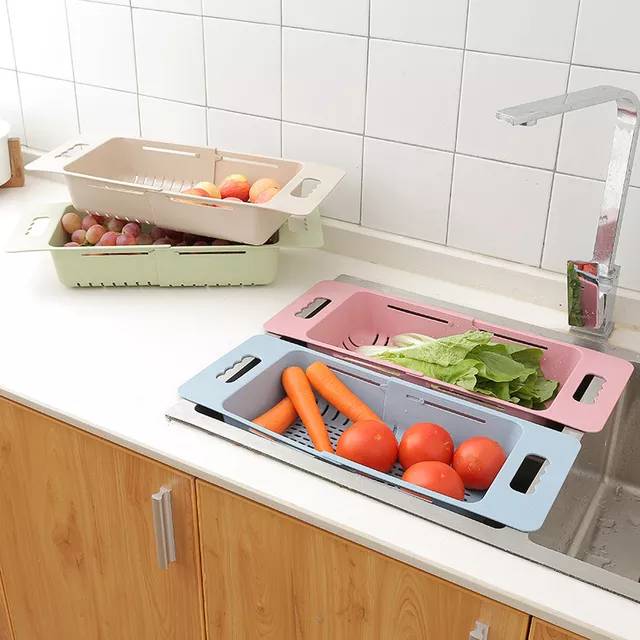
(106, 187)
(168, 150)
(529, 470)
(313, 308)
(238, 369)
(589, 388)
(417, 313)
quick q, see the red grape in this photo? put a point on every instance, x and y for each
(94, 233)
(144, 238)
(79, 236)
(71, 222)
(113, 224)
(71, 244)
(88, 222)
(157, 233)
(132, 229)
(108, 239)
(162, 241)
(124, 239)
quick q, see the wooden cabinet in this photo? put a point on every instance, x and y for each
(267, 575)
(541, 630)
(77, 543)
(5, 625)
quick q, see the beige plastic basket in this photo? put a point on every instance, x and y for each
(142, 180)
(159, 265)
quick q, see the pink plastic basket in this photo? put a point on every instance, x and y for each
(337, 317)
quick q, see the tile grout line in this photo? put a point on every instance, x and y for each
(73, 67)
(135, 69)
(204, 69)
(15, 71)
(455, 139)
(366, 108)
(281, 78)
(560, 129)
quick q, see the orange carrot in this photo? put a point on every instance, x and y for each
(329, 386)
(300, 393)
(279, 418)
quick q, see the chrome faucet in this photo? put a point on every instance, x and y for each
(591, 284)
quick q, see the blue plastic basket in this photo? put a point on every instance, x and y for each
(246, 382)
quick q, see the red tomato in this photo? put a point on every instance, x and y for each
(370, 443)
(477, 461)
(436, 476)
(425, 441)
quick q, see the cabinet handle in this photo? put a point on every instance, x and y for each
(480, 631)
(163, 527)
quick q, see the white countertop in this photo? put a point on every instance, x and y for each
(110, 361)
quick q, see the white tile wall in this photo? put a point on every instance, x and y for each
(422, 21)
(172, 121)
(7, 60)
(499, 209)
(169, 55)
(324, 79)
(241, 132)
(531, 28)
(493, 82)
(104, 112)
(50, 127)
(342, 149)
(95, 28)
(328, 15)
(406, 189)
(403, 80)
(243, 66)
(400, 93)
(44, 23)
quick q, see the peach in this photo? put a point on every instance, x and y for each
(236, 177)
(261, 185)
(71, 244)
(235, 189)
(266, 195)
(71, 222)
(232, 199)
(198, 191)
(211, 189)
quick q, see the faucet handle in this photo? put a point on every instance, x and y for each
(590, 296)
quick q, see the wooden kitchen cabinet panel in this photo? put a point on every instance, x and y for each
(77, 544)
(267, 575)
(541, 630)
(5, 624)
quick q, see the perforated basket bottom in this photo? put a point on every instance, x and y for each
(336, 424)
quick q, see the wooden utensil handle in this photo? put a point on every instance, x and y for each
(16, 163)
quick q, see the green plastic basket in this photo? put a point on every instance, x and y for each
(157, 265)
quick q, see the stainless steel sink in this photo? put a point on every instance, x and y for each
(593, 530)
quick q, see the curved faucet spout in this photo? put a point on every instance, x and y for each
(592, 284)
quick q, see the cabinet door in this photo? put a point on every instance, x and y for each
(5, 625)
(77, 543)
(541, 630)
(267, 575)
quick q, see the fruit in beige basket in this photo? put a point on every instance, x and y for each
(79, 236)
(219, 242)
(71, 222)
(200, 243)
(197, 191)
(261, 185)
(212, 189)
(88, 221)
(157, 232)
(236, 177)
(94, 233)
(124, 240)
(232, 199)
(132, 229)
(235, 189)
(266, 195)
(108, 239)
(164, 240)
(113, 224)
(71, 244)
(144, 238)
